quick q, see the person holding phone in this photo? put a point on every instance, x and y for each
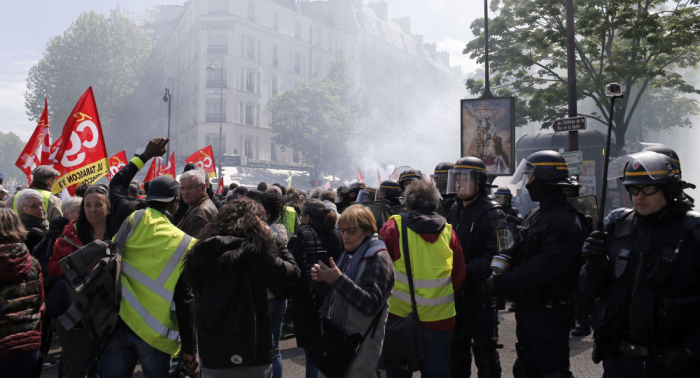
(316, 240)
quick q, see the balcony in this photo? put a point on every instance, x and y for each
(217, 49)
(215, 118)
(217, 83)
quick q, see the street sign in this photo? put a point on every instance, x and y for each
(232, 161)
(573, 158)
(569, 124)
(575, 170)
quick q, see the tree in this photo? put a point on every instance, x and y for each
(106, 53)
(10, 148)
(321, 111)
(638, 43)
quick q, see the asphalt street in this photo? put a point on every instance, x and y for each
(294, 360)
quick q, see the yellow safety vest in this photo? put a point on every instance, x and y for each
(152, 260)
(431, 264)
(45, 193)
(289, 220)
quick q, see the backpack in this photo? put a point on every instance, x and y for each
(93, 275)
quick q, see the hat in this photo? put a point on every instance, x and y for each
(44, 172)
(163, 189)
(3, 190)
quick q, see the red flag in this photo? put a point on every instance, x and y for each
(169, 169)
(33, 153)
(426, 177)
(83, 157)
(360, 176)
(204, 159)
(220, 187)
(161, 167)
(53, 151)
(379, 177)
(152, 171)
(393, 175)
(116, 163)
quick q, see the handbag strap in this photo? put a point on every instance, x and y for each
(407, 260)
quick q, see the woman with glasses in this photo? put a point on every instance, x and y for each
(32, 212)
(93, 223)
(362, 282)
(316, 239)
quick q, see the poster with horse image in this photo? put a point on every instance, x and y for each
(488, 132)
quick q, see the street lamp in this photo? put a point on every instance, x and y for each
(166, 98)
(212, 68)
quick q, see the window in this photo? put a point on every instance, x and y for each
(250, 47)
(251, 10)
(250, 114)
(297, 63)
(218, 6)
(213, 140)
(273, 152)
(249, 81)
(275, 85)
(317, 67)
(249, 147)
(215, 113)
(275, 56)
(317, 37)
(276, 20)
(296, 156)
(217, 43)
(297, 29)
(216, 78)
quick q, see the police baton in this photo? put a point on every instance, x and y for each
(612, 91)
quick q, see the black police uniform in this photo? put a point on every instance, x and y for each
(647, 313)
(477, 318)
(512, 214)
(541, 284)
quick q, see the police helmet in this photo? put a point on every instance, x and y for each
(548, 166)
(649, 168)
(409, 175)
(341, 189)
(503, 196)
(661, 149)
(467, 178)
(368, 194)
(389, 189)
(440, 176)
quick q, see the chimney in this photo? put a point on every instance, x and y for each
(444, 57)
(417, 38)
(431, 48)
(381, 9)
(404, 23)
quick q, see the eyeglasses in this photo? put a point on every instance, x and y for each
(193, 187)
(647, 190)
(351, 231)
(97, 188)
(36, 206)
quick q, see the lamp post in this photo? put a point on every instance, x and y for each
(212, 68)
(166, 98)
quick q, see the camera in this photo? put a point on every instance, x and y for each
(613, 90)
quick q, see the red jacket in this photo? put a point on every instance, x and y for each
(62, 249)
(390, 235)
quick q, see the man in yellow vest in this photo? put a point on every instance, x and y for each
(437, 264)
(43, 178)
(157, 307)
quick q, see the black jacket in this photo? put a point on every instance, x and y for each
(121, 205)
(230, 277)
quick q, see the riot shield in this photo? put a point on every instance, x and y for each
(377, 208)
(588, 206)
(394, 210)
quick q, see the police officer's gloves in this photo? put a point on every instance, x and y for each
(676, 358)
(595, 248)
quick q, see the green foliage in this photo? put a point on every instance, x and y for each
(639, 44)
(321, 111)
(10, 148)
(107, 53)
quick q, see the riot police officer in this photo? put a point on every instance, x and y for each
(391, 191)
(661, 149)
(367, 194)
(546, 266)
(440, 180)
(505, 198)
(349, 195)
(474, 217)
(643, 269)
(409, 175)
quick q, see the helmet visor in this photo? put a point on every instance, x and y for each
(440, 182)
(462, 182)
(654, 165)
(503, 199)
(522, 174)
(366, 196)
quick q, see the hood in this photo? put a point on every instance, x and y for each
(220, 252)
(425, 222)
(15, 262)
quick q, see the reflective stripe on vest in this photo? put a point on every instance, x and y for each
(289, 220)
(431, 264)
(151, 266)
(44, 193)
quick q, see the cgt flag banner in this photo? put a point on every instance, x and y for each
(169, 169)
(36, 152)
(220, 187)
(360, 176)
(152, 171)
(205, 160)
(116, 163)
(82, 157)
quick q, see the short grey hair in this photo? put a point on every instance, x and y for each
(422, 195)
(197, 173)
(274, 189)
(25, 195)
(70, 204)
(316, 193)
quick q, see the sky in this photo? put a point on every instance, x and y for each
(27, 26)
